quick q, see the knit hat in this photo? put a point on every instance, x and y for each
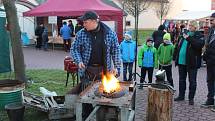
(129, 34)
(149, 40)
(194, 23)
(167, 36)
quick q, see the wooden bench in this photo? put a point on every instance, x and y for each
(55, 40)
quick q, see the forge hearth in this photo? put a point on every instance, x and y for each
(112, 94)
(118, 102)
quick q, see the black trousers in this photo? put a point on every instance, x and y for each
(143, 74)
(168, 70)
(192, 73)
(39, 42)
(211, 81)
(67, 44)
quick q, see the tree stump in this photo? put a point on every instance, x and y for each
(160, 102)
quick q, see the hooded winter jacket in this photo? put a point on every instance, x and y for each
(127, 49)
(147, 57)
(165, 54)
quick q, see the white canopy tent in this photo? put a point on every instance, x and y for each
(192, 15)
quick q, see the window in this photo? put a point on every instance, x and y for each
(128, 23)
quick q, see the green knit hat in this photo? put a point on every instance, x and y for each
(167, 36)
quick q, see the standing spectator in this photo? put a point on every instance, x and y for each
(188, 49)
(158, 36)
(71, 26)
(65, 32)
(206, 29)
(38, 32)
(209, 57)
(165, 56)
(78, 26)
(176, 33)
(45, 39)
(128, 48)
(147, 60)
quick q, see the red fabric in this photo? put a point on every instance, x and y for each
(78, 8)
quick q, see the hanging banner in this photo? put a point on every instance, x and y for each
(5, 65)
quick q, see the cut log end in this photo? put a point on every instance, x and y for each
(160, 102)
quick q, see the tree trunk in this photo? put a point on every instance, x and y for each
(160, 102)
(15, 35)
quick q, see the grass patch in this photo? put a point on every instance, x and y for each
(143, 35)
(53, 80)
(29, 115)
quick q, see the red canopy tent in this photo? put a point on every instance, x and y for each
(77, 8)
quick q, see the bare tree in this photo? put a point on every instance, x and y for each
(130, 5)
(15, 36)
(163, 10)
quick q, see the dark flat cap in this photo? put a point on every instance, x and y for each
(213, 15)
(89, 15)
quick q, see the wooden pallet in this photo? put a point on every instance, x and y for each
(55, 109)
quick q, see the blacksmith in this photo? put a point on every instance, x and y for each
(94, 47)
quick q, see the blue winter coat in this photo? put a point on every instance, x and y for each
(65, 32)
(127, 49)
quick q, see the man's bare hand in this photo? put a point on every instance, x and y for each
(115, 72)
(81, 65)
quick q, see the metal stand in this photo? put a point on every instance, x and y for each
(75, 74)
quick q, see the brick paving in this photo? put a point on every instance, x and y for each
(181, 110)
(39, 59)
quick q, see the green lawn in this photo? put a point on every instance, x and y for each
(143, 35)
(53, 80)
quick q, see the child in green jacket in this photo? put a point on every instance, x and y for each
(147, 60)
(165, 56)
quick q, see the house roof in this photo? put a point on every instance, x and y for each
(193, 15)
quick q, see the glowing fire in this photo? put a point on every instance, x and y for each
(110, 83)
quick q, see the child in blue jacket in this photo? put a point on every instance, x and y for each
(127, 49)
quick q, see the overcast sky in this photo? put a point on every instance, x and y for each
(197, 5)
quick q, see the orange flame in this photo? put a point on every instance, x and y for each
(110, 83)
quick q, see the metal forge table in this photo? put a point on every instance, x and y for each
(124, 104)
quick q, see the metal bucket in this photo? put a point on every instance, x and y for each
(15, 111)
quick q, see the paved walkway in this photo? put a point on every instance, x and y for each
(39, 59)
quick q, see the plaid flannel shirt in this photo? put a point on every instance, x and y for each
(81, 48)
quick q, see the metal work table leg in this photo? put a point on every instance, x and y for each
(78, 111)
(124, 113)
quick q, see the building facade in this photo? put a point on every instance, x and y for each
(212, 4)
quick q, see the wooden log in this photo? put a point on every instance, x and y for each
(160, 103)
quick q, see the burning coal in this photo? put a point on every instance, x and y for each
(110, 83)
